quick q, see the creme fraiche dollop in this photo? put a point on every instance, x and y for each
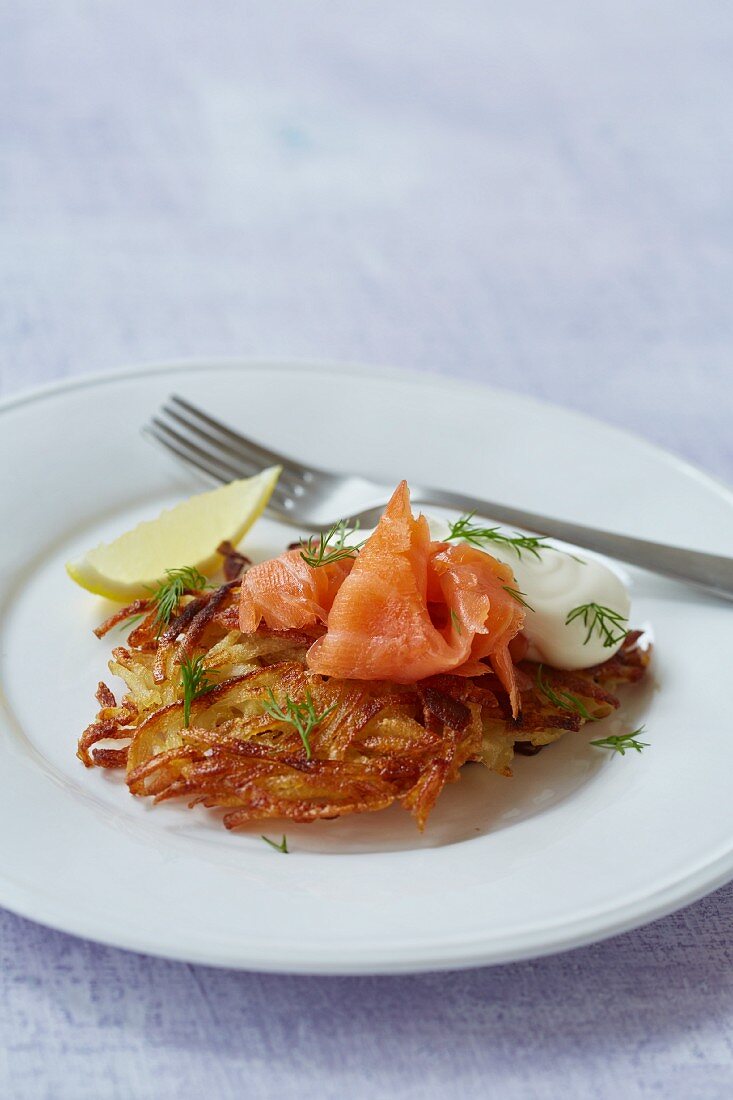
(554, 583)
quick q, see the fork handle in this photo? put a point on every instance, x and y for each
(713, 572)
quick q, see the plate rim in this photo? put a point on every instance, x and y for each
(90, 379)
(581, 933)
(24, 900)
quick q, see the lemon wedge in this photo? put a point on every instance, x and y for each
(187, 534)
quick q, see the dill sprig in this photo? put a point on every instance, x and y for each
(281, 847)
(167, 596)
(130, 621)
(456, 622)
(195, 682)
(479, 536)
(564, 700)
(623, 742)
(329, 546)
(603, 619)
(302, 716)
(517, 595)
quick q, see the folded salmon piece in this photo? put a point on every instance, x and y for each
(410, 608)
(476, 588)
(287, 593)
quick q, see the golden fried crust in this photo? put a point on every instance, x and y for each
(380, 742)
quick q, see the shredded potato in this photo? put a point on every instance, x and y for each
(378, 743)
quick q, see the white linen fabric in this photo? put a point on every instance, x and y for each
(534, 195)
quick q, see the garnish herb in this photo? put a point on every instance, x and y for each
(167, 596)
(329, 546)
(130, 622)
(196, 683)
(603, 619)
(281, 847)
(623, 742)
(564, 700)
(520, 597)
(478, 536)
(302, 716)
(456, 622)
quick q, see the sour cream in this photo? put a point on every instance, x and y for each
(553, 584)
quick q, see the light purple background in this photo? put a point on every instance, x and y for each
(533, 194)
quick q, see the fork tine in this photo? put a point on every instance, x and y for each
(255, 451)
(222, 447)
(204, 461)
(229, 470)
(181, 453)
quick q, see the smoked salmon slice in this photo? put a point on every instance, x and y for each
(287, 593)
(477, 589)
(379, 627)
(410, 608)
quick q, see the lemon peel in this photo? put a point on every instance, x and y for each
(187, 534)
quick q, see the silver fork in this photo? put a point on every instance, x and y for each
(314, 499)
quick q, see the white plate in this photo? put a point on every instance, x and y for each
(579, 845)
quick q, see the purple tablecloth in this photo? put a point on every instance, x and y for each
(537, 195)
